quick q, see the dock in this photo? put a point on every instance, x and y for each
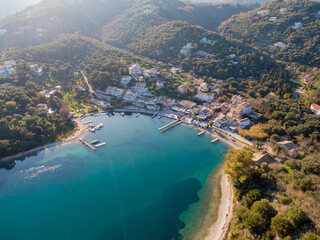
(168, 125)
(200, 133)
(214, 140)
(154, 115)
(87, 144)
(100, 144)
(171, 126)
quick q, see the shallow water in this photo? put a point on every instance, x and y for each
(138, 186)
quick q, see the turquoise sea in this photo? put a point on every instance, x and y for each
(139, 186)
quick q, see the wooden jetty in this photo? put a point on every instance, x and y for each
(168, 125)
(87, 144)
(200, 133)
(154, 115)
(100, 144)
(171, 126)
(214, 140)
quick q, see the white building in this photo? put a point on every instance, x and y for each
(283, 10)
(140, 86)
(135, 69)
(184, 52)
(175, 70)
(36, 69)
(204, 54)
(160, 84)
(6, 70)
(204, 97)
(315, 108)
(273, 19)
(263, 12)
(10, 62)
(130, 96)
(245, 122)
(297, 25)
(183, 89)
(125, 80)
(3, 32)
(150, 72)
(231, 56)
(114, 91)
(205, 40)
(203, 87)
(245, 107)
(280, 45)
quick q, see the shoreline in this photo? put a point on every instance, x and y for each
(81, 131)
(218, 229)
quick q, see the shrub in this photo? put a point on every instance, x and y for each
(264, 208)
(297, 216)
(251, 197)
(305, 184)
(311, 236)
(311, 166)
(281, 226)
(285, 200)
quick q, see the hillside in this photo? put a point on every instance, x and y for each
(297, 26)
(221, 58)
(51, 19)
(135, 22)
(104, 65)
(11, 7)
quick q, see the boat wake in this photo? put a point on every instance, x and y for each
(36, 171)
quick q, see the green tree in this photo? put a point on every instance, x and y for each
(239, 164)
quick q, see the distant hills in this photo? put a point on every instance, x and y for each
(135, 22)
(14, 6)
(51, 19)
(287, 30)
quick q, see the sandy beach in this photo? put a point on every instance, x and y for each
(81, 131)
(219, 229)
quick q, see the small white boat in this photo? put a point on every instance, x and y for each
(95, 141)
(122, 114)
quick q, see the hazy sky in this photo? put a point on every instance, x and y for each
(8, 7)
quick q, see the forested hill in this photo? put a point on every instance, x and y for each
(221, 58)
(51, 19)
(295, 23)
(135, 22)
(164, 42)
(103, 63)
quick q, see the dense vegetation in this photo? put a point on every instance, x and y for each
(52, 18)
(302, 45)
(135, 22)
(104, 65)
(23, 126)
(274, 200)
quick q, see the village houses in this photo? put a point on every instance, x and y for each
(36, 69)
(115, 92)
(135, 69)
(315, 108)
(125, 80)
(182, 89)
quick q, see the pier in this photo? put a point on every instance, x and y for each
(154, 115)
(171, 126)
(87, 144)
(100, 144)
(168, 124)
(214, 140)
(200, 133)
